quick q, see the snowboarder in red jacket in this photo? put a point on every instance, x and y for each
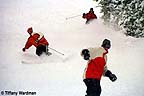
(89, 16)
(96, 67)
(38, 40)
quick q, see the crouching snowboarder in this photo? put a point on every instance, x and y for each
(38, 40)
(96, 67)
(89, 16)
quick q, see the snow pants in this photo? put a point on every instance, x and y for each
(93, 87)
(41, 49)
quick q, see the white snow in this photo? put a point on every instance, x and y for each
(59, 75)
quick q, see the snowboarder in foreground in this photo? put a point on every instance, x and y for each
(89, 16)
(96, 67)
(38, 40)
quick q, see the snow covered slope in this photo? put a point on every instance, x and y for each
(59, 75)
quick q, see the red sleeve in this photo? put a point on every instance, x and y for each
(92, 16)
(86, 16)
(30, 42)
(95, 16)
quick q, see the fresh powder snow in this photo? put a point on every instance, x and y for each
(61, 75)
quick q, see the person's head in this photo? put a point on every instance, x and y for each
(91, 9)
(30, 30)
(106, 44)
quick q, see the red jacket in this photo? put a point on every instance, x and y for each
(36, 39)
(96, 66)
(90, 16)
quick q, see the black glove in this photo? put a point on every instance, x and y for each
(86, 57)
(23, 49)
(83, 15)
(111, 76)
(85, 53)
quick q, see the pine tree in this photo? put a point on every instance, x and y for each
(133, 17)
(106, 10)
(127, 13)
(110, 10)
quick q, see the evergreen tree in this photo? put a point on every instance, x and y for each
(106, 10)
(110, 10)
(133, 17)
(127, 13)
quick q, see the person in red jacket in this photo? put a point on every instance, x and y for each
(38, 40)
(96, 67)
(89, 16)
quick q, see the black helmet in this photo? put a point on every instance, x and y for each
(91, 9)
(106, 43)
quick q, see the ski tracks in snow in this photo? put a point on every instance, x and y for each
(29, 58)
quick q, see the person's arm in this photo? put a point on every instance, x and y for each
(105, 69)
(111, 76)
(29, 43)
(95, 16)
(83, 15)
